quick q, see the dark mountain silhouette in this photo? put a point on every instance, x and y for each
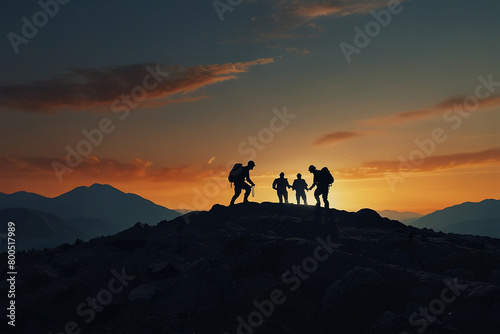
(460, 218)
(263, 268)
(37, 229)
(405, 217)
(97, 208)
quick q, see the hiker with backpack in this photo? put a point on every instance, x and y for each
(280, 185)
(238, 175)
(322, 180)
(300, 187)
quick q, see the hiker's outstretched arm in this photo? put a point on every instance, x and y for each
(250, 181)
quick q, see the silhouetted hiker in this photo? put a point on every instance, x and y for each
(280, 186)
(322, 180)
(238, 175)
(300, 186)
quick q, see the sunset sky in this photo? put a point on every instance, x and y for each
(400, 100)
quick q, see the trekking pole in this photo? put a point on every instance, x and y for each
(253, 191)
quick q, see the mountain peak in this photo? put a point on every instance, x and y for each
(101, 186)
(93, 188)
(90, 207)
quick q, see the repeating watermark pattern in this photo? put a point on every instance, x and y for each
(88, 309)
(248, 149)
(427, 315)
(372, 29)
(121, 106)
(454, 118)
(292, 279)
(222, 6)
(29, 29)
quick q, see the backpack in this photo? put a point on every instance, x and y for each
(234, 174)
(326, 176)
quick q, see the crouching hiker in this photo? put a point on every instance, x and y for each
(322, 180)
(238, 175)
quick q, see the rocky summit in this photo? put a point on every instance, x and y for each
(263, 268)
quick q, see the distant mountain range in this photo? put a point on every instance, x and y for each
(481, 218)
(38, 229)
(82, 213)
(405, 217)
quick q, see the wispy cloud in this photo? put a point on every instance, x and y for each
(97, 89)
(290, 15)
(376, 169)
(95, 168)
(454, 104)
(298, 51)
(335, 138)
(291, 49)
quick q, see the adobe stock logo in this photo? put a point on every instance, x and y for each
(225, 6)
(88, 309)
(454, 117)
(248, 149)
(29, 29)
(292, 279)
(372, 29)
(95, 136)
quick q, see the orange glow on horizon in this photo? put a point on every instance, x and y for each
(421, 192)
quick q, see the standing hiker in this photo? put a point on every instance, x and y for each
(238, 175)
(322, 180)
(280, 186)
(300, 187)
